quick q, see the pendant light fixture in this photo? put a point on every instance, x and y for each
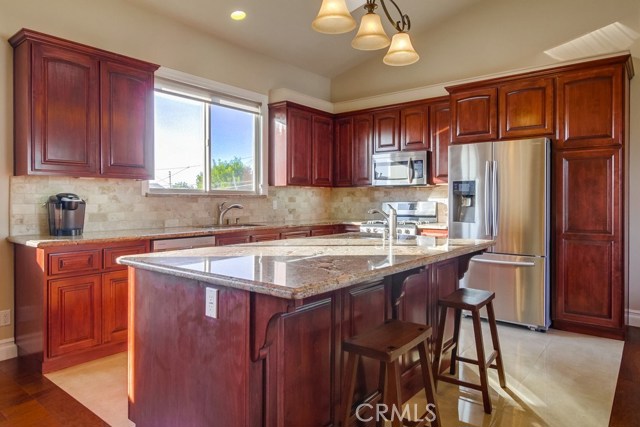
(334, 18)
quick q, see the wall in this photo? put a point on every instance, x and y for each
(633, 171)
(118, 26)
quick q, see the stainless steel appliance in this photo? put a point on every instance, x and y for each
(162, 245)
(500, 190)
(66, 214)
(410, 216)
(400, 168)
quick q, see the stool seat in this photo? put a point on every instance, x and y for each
(386, 344)
(472, 300)
(467, 299)
(389, 341)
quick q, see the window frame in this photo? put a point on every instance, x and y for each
(260, 146)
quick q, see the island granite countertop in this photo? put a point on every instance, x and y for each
(304, 267)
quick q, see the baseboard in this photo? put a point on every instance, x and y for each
(633, 317)
(8, 349)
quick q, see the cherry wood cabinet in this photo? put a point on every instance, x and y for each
(80, 111)
(72, 302)
(127, 121)
(343, 159)
(414, 128)
(362, 149)
(440, 138)
(591, 107)
(526, 107)
(386, 130)
(235, 239)
(474, 115)
(300, 146)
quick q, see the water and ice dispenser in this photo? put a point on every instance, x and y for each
(464, 201)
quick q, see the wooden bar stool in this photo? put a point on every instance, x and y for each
(472, 300)
(387, 343)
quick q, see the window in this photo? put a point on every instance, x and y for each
(206, 140)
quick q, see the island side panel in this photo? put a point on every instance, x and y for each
(186, 368)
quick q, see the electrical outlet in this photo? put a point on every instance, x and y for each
(211, 303)
(5, 317)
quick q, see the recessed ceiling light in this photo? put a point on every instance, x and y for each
(238, 15)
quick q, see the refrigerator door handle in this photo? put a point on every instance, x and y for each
(487, 197)
(515, 263)
(494, 198)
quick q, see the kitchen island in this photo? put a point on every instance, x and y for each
(250, 335)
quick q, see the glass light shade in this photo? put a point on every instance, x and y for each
(371, 35)
(401, 51)
(333, 18)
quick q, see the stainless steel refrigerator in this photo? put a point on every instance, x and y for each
(500, 190)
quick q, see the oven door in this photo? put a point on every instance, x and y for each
(398, 169)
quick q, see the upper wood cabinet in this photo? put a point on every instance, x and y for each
(300, 145)
(525, 108)
(440, 137)
(590, 107)
(474, 115)
(362, 147)
(386, 130)
(414, 128)
(343, 159)
(80, 111)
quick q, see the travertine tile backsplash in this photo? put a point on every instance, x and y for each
(118, 204)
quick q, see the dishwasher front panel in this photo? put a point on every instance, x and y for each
(520, 285)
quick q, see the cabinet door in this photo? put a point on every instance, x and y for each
(526, 108)
(414, 128)
(386, 135)
(323, 231)
(343, 161)
(74, 314)
(322, 154)
(115, 287)
(589, 284)
(223, 240)
(265, 237)
(65, 117)
(440, 137)
(444, 281)
(362, 147)
(127, 121)
(474, 115)
(591, 108)
(414, 306)
(295, 234)
(299, 125)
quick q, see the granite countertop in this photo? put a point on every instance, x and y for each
(300, 268)
(45, 240)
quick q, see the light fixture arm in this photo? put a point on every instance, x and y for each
(403, 25)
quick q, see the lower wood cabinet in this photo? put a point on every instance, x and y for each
(72, 302)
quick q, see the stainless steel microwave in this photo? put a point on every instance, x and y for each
(400, 168)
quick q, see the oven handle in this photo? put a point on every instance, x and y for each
(412, 172)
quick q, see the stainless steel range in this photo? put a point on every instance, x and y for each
(410, 216)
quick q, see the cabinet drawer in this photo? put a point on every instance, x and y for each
(74, 262)
(111, 254)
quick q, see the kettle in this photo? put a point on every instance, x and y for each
(66, 214)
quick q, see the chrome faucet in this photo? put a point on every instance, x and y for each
(392, 219)
(224, 210)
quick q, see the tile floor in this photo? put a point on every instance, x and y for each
(553, 379)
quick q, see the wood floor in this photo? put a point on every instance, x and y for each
(625, 403)
(27, 398)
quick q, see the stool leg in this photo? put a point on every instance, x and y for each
(456, 338)
(427, 379)
(482, 361)
(349, 387)
(496, 344)
(438, 353)
(382, 382)
(394, 394)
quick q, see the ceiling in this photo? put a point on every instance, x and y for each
(281, 29)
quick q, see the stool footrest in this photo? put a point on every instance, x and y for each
(492, 357)
(456, 381)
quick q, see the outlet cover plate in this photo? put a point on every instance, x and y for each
(5, 317)
(211, 303)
